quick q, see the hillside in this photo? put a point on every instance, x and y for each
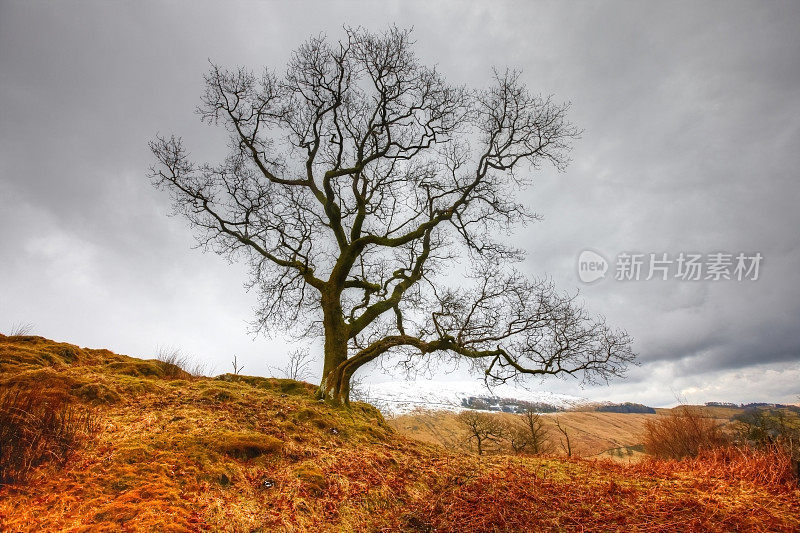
(616, 436)
(592, 434)
(170, 452)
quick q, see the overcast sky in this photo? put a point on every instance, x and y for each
(691, 119)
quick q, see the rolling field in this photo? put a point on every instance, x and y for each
(616, 436)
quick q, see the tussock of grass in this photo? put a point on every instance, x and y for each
(284, 386)
(312, 478)
(239, 453)
(247, 445)
(140, 369)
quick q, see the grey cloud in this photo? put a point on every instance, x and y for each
(691, 134)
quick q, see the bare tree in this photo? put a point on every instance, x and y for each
(370, 198)
(566, 444)
(528, 434)
(298, 367)
(483, 428)
(236, 366)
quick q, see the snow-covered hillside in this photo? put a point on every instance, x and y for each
(398, 397)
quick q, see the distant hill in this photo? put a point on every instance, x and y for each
(507, 405)
(626, 407)
(398, 397)
(168, 451)
(755, 405)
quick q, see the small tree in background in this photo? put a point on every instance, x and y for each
(298, 367)
(528, 434)
(235, 366)
(763, 428)
(355, 184)
(483, 428)
(566, 443)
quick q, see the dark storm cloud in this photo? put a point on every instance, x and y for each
(690, 144)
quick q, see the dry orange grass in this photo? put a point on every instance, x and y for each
(256, 454)
(603, 496)
(36, 428)
(769, 467)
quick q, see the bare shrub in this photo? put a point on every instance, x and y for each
(685, 432)
(359, 391)
(36, 429)
(20, 329)
(197, 368)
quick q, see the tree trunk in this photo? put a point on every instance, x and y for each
(335, 384)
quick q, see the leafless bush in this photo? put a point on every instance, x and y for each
(35, 429)
(20, 329)
(173, 361)
(197, 368)
(685, 432)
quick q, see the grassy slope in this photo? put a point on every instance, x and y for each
(257, 454)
